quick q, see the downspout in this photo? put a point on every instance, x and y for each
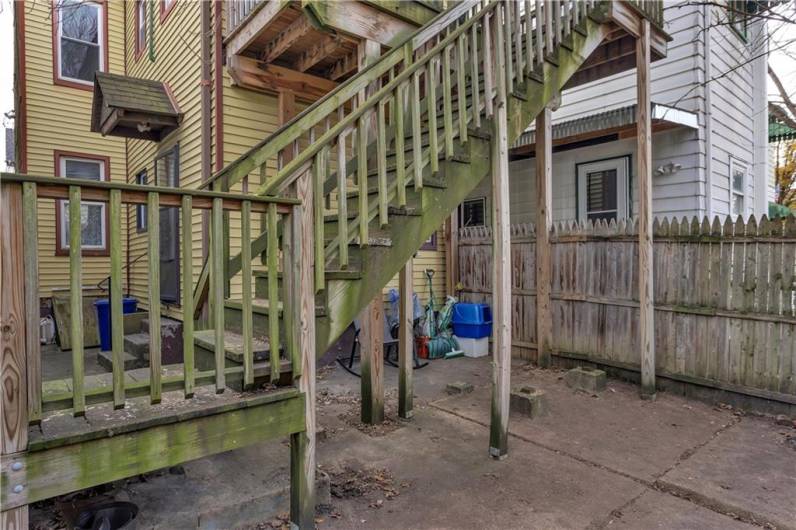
(708, 113)
(760, 121)
(206, 106)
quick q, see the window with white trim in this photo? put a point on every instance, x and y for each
(738, 172)
(93, 219)
(80, 40)
(140, 209)
(472, 212)
(603, 189)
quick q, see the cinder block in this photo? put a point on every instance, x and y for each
(527, 401)
(459, 387)
(587, 379)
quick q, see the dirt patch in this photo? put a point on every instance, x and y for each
(348, 410)
(374, 484)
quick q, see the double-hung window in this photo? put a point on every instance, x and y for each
(93, 215)
(738, 172)
(140, 27)
(140, 209)
(603, 189)
(80, 41)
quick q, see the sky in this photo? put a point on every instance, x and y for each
(780, 61)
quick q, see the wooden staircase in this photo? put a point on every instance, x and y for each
(430, 105)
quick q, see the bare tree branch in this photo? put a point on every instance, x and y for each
(782, 92)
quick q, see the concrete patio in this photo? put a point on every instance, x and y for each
(607, 460)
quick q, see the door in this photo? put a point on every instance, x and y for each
(167, 174)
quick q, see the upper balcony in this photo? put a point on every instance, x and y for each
(309, 47)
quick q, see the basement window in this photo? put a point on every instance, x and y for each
(603, 189)
(80, 33)
(472, 212)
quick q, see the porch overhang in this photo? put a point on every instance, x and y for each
(133, 108)
(620, 122)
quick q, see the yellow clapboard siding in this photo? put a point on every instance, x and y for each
(59, 119)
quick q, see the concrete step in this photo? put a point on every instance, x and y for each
(171, 343)
(131, 362)
(233, 345)
(137, 345)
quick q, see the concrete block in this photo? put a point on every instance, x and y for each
(527, 401)
(170, 339)
(137, 345)
(458, 387)
(131, 362)
(587, 379)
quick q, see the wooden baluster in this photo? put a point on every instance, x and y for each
(506, 27)
(342, 201)
(76, 300)
(400, 148)
(539, 56)
(272, 251)
(30, 237)
(319, 175)
(567, 4)
(559, 21)
(417, 135)
(217, 289)
(247, 324)
(528, 38)
(548, 26)
(187, 296)
(447, 101)
(519, 69)
(381, 162)
(431, 99)
(115, 302)
(461, 88)
(474, 75)
(489, 80)
(362, 178)
(153, 230)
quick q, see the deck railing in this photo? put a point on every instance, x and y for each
(238, 10)
(76, 394)
(651, 9)
(404, 111)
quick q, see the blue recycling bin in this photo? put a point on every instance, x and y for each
(129, 305)
(472, 321)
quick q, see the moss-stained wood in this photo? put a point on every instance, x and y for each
(359, 20)
(117, 323)
(187, 297)
(417, 13)
(31, 259)
(153, 259)
(67, 468)
(76, 298)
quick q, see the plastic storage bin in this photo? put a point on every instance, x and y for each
(129, 305)
(472, 321)
(473, 347)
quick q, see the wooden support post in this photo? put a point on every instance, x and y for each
(286, 102)
(644, 138)
(302, 445)
(501, 269)
(405, 341)
(371, 354)
(13, 356)
(452, 253)
(544, 172)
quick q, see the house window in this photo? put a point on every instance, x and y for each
(166, 7)
(80, 41)
(140, 27)
(93, 215)
(472, 212)
(603, 189)
(140, 209)
(737, 14)
(738, 172)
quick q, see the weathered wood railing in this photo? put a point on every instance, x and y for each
(725, 297)
(651, 9)
(114, 195)
(238, 10)
(397, 116)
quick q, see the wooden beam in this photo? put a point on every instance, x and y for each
(344, 66)
(405, 341)
(286, 110)
(501, 259)
(69, 467)
(13, 356)
(361, 21)
(317, 53)
(254, 26)
(644, 139)
(289, 36)
(544, 218)
(371, 354)
(270, 78)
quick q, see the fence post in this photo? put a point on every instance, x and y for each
(644, 139)
(13, 367)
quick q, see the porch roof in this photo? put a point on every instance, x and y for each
(612, 120)
(133, 107)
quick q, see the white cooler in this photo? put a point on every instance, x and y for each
(473, 347)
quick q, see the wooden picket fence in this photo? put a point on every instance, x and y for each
(725, 312)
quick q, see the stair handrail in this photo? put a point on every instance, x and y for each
(285, 135)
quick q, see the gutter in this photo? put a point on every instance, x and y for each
(708, 116)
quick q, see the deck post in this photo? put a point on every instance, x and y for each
(405, 341)
(501, 258)
(544, 208)
(13, 360)
(371, 354)
(302, 445)
(644, 139)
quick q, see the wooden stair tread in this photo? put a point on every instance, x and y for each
(261, 306)
(391, 210)
(233, 343)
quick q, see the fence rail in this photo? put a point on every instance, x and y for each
(77, 393)
(725, 297)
